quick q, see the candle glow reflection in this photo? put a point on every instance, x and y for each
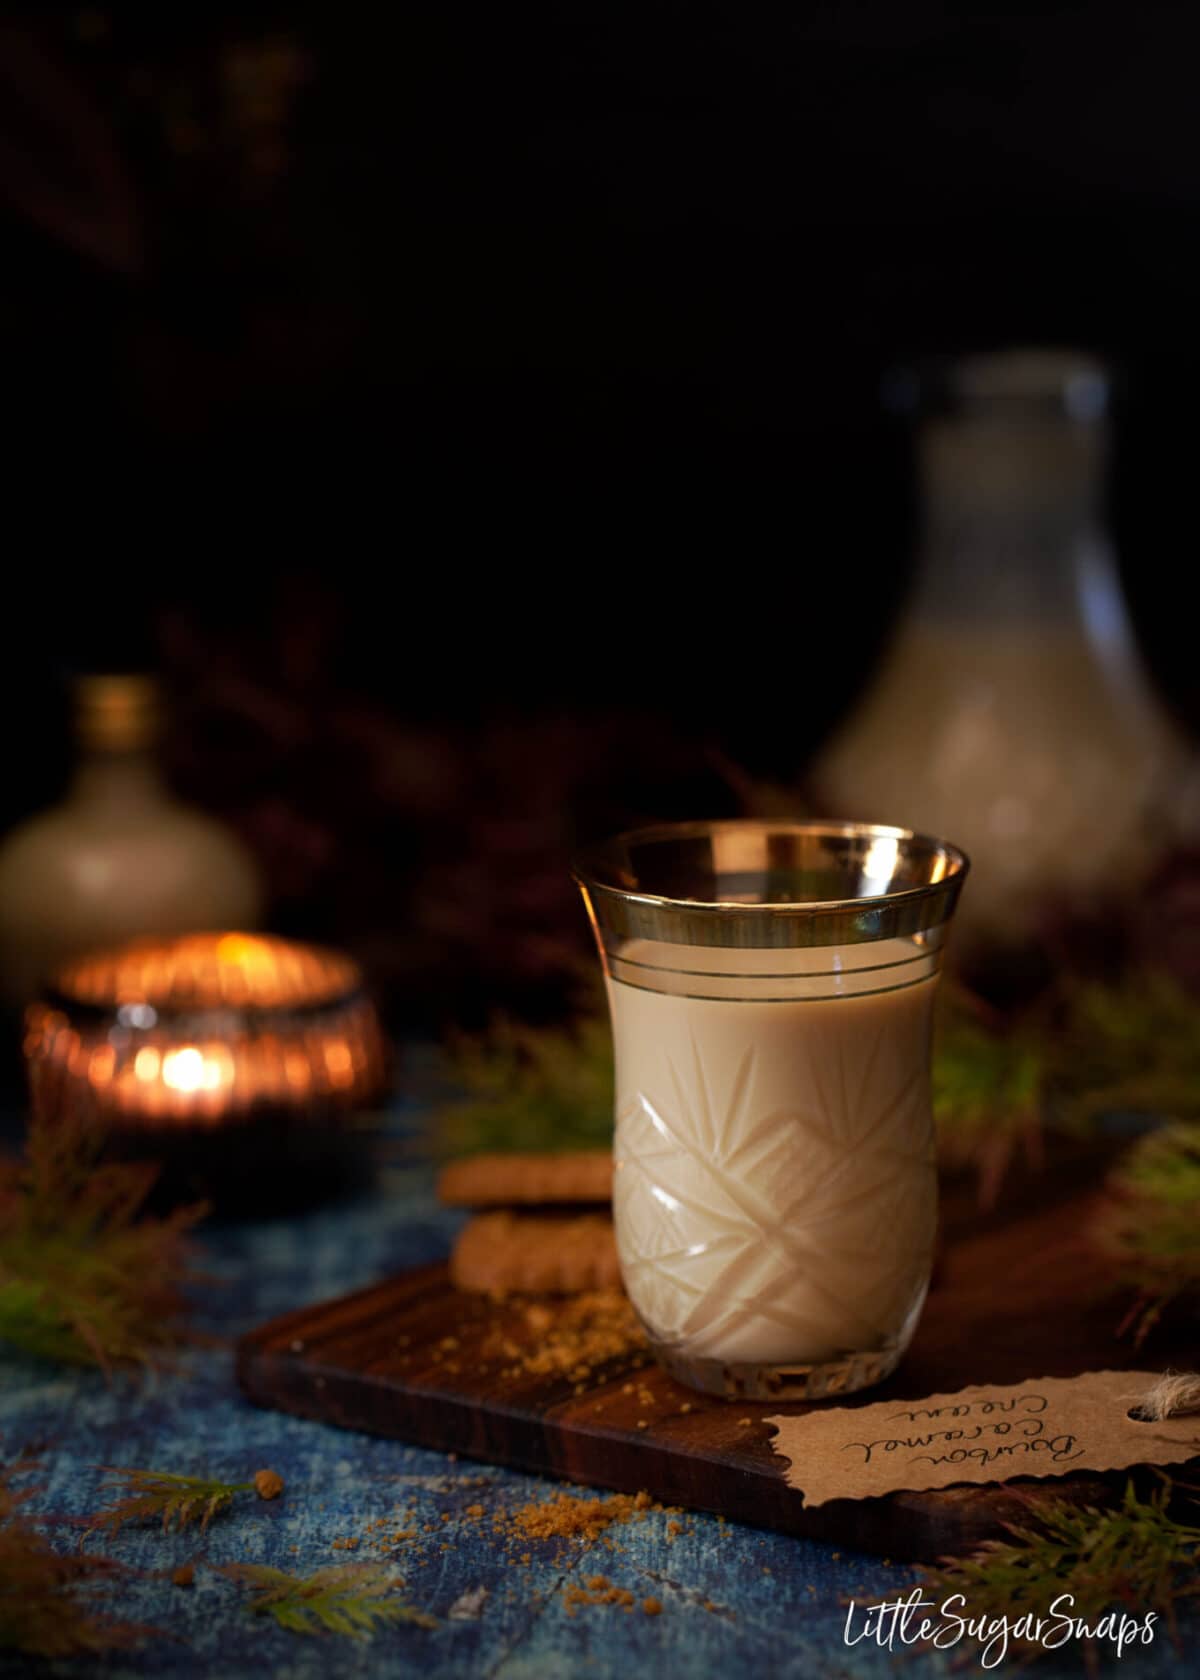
(205, 1029)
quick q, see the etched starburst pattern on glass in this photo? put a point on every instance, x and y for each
(780, 1204)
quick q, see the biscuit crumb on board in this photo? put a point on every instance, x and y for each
(569, 1338)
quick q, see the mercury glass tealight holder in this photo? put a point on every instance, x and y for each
(771, 988)
(241, 1063)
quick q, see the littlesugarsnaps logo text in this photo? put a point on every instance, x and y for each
(894, 1623)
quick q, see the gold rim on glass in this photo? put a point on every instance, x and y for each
(759, 883)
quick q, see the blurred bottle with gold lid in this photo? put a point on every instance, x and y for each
(1012, 712)
(120, 856)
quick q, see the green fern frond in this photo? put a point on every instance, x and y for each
(988, 1084)
(86, 1275)
(349, 1599)
(1133, 1047)
(1135, 1554)
(1148, 1226)
(529, 1088)
(160, 1494)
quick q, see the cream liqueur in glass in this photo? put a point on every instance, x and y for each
(775, 1193)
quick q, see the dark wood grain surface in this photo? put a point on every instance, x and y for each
(1017, 1293)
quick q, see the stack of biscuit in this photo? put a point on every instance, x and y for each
(542, 1223)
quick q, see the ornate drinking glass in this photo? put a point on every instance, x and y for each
(775, 1196)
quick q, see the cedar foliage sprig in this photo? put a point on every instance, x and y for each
(1134, 1555)
(1093, 1049)
(351, 1599)
(1133, 1047)
(1149, 1223)
(988, 1085)
(44, 1595)
(160, 1494)
(86, 1276)
(530, 1088)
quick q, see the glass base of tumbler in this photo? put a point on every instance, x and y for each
(821, 1381)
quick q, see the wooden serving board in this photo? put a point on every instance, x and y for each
(1016, 1294)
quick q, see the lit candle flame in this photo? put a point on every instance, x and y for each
(328, 1052)
(188, 1069)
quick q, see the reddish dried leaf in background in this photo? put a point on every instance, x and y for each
(44, 1604)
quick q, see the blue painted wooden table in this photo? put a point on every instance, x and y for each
(732, 1598)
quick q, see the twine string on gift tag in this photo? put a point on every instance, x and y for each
(1174, 1394)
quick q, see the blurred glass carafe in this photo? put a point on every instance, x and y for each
(120, 857)
(1012, 712)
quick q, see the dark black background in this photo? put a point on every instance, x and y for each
(527, 366)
